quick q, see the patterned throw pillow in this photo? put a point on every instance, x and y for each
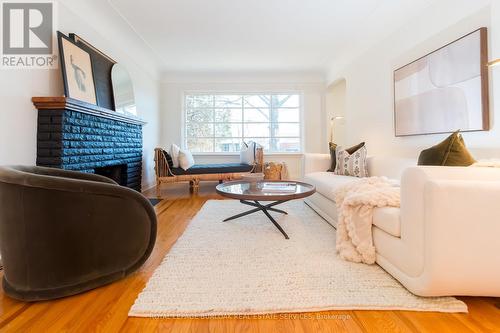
(351, 163)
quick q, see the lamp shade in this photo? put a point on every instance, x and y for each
(332, 120)
(495, 62)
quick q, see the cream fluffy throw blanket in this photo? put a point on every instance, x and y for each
(355, 203)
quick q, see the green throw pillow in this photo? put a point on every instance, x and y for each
(450, 152)
(354, 148)
(333, 156)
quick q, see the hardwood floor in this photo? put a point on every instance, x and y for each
(105, 309)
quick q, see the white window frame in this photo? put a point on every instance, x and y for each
(259, 92)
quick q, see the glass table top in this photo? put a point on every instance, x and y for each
(265, 188)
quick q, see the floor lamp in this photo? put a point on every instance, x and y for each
(332, 125)
(495, 62)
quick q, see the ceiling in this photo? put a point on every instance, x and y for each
(261, 35)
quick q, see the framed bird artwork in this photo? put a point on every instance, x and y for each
(77, 72)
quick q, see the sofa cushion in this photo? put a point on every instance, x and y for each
(326, 182)
(389, 166)
(387, 219)
(199, 169)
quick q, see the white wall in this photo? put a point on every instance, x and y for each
(174, 85)
(106, 31)
(369, 94)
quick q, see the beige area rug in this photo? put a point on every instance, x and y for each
(245, 266)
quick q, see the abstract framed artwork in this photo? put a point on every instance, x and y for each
(445, 90)
(77, 71)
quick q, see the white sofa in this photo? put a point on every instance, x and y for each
(445, 238)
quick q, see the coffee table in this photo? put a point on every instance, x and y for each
(251, 193)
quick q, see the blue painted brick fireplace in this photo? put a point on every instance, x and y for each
(80, 141)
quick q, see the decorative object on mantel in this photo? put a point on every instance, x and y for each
(77, 72)
(102, 66)
(123, 90)
(80, 136)
(445, 89)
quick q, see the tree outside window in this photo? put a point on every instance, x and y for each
(221, 122)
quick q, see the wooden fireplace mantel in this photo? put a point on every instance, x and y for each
(66, 103)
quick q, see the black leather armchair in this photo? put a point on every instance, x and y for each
(65, 232)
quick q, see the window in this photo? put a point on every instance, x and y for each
(221, 122)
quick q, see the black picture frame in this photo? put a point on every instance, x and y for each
(68, 89)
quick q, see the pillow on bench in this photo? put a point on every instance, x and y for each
(174, 152)
(247, 153)
(168, 158)
(186, 159)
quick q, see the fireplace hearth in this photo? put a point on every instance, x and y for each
(79, 136)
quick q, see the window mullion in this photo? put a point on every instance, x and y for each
(213, 123)
(271, 124)
(243, 118)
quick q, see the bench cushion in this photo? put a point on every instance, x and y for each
(199, 169)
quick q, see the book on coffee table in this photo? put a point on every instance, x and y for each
(279, 187)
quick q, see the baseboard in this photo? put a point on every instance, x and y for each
(148, 187)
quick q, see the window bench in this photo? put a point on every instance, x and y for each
(206, 172)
